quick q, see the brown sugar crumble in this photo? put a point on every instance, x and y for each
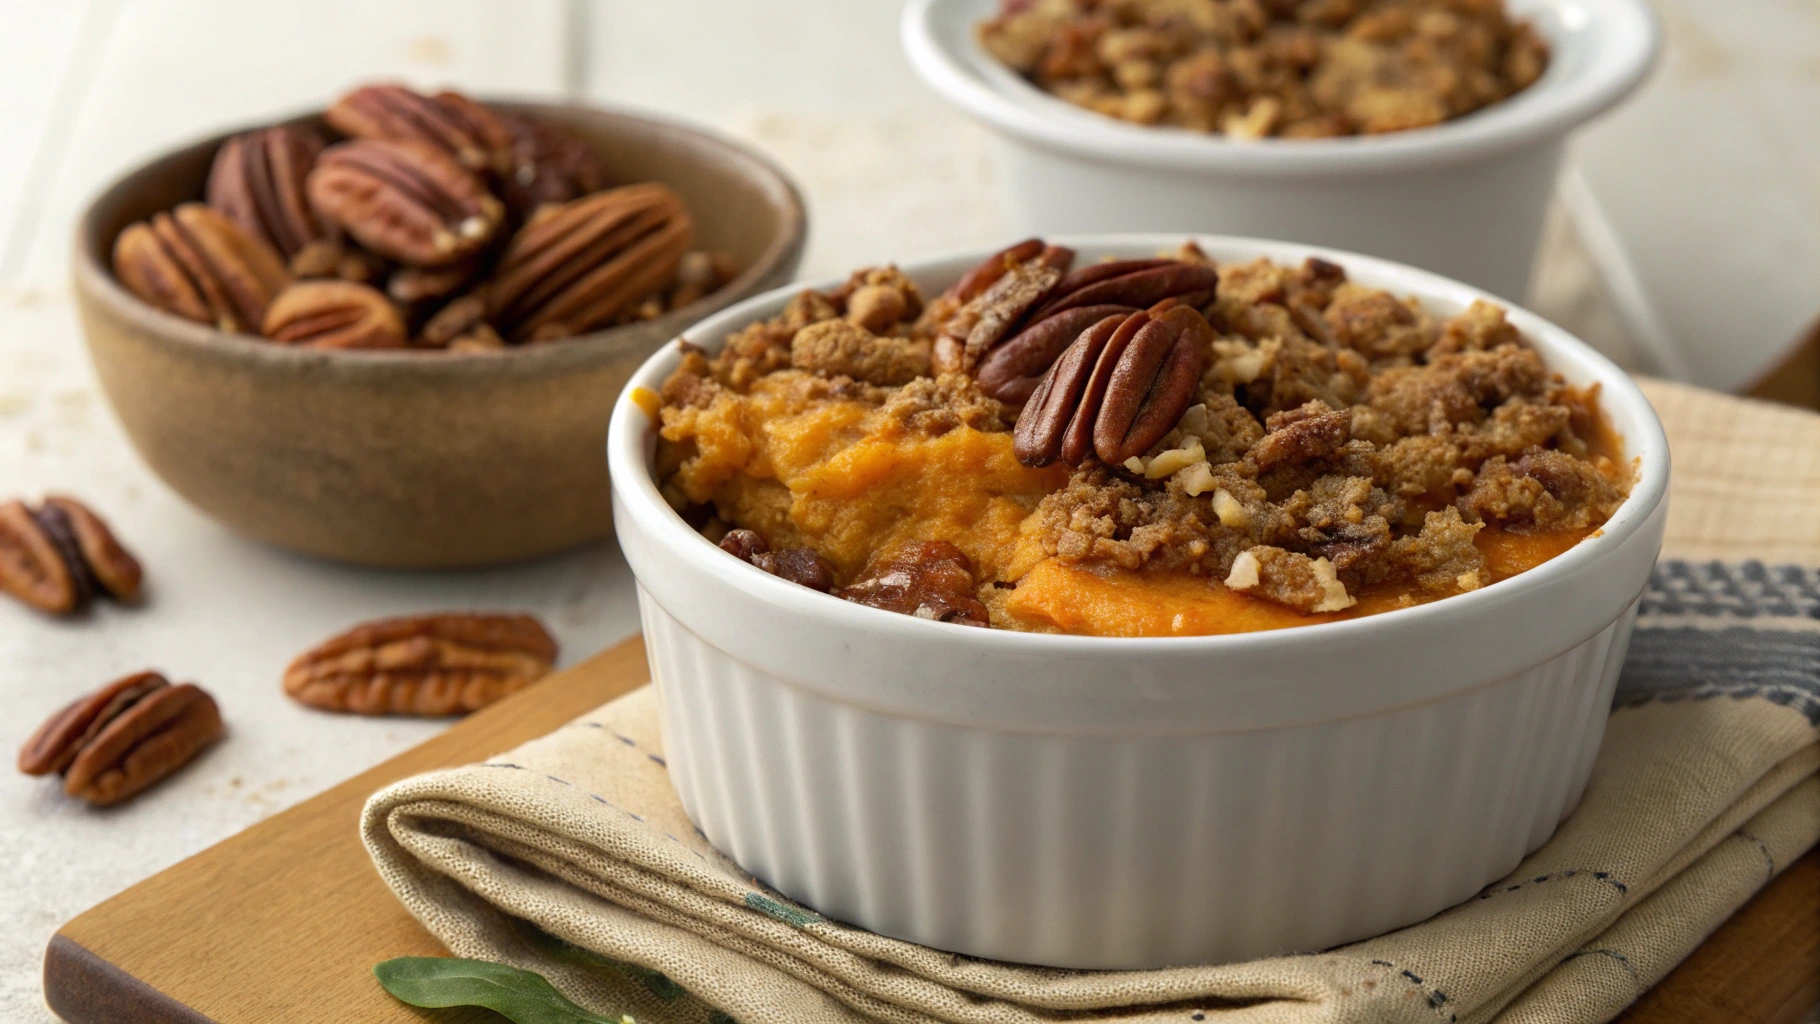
(1255, 68)
(1335, 450)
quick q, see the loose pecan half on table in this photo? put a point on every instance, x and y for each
(443, 664)
(60, 555)
(124, 737)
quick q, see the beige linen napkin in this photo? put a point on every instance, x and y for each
(571, 856)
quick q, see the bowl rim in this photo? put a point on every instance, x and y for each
(92, 274)
(632, 432)
(1623, 40)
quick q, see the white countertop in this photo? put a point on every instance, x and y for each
(88, 87)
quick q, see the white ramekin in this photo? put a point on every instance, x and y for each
(1465, 198)
(1125, 803)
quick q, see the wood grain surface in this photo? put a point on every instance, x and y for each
(283, 922)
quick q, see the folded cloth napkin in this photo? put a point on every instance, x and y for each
(571, 855)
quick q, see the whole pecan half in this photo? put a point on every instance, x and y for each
(423, 665)
(928, 579)
(405, 200)
(334, 314)
(798, 565)
(1117, 389)
(257, 180)
(549, 165)
(198, 264)
(576, 266)
(994, 298)
(59, 555)
(1021, 307)
(417, 287)
(468, 131)
(122, 738)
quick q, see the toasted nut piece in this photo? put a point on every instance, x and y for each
(32, 567)
(408, 201)
(196, 263)
(475, 136)
(334, 314)
(57, 741)
(461, 318)
(1117, 390)
(1001, 306)
(423, 665)
(549, 165)
(798, 565)
(57, 556)
(257, 181)
(124, 737)
(111, 565)
(576, 266)
(927, 579)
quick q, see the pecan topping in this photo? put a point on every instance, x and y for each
(475, 136)
(1014, 332)
(1011, 372)
(334, 314)
(405, 200)
(1117, 389)
(196, 263)
(122, 738)
(549, 165)
(927, 579)
(798, 565)
(576, 266)
(1313, 431)
(59, 555)
(995, 297)
(257, 180)
(423, 665)
(1135, 283)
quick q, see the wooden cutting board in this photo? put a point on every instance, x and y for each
(283, 922)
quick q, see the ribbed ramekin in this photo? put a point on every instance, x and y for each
(1466, 197)
(1124, 803)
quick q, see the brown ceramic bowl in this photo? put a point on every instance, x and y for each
(410, 459)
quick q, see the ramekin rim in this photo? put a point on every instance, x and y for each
(629, 475)
(1629, 31)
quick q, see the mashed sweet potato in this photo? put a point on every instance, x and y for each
(1346, 454)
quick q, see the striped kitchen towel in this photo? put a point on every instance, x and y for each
(571, 856)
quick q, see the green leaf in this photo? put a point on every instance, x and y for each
(524, 997)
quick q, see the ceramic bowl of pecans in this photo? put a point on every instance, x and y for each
(921, 684)
(1427, 131)
(389, 334)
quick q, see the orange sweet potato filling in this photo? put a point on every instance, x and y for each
(1056, 597)
(846, 479)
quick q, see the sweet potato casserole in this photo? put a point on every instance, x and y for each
(1251, 68)
(1134, 448)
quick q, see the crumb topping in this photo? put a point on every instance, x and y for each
(1343, 443)
(1254, 68)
